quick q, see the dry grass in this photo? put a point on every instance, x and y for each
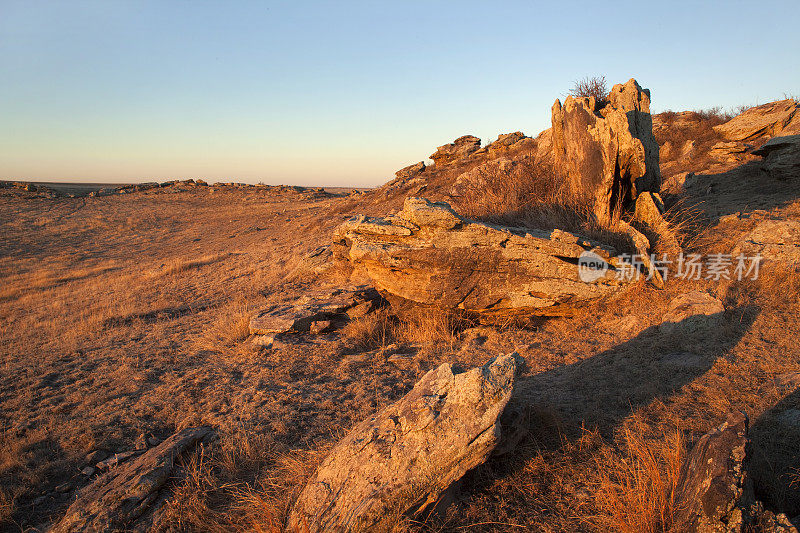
(636, 487)
(179, 265)
(532, 195)
(372, 331)
(244, 482)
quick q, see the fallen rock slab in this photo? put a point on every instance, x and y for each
(403, 458)
(315, 307)
(113, 501)
(428, 254)
(714, 493)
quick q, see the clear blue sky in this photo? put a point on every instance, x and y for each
(345, 93)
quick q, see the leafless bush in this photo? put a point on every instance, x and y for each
(591, 86)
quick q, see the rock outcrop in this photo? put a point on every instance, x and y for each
(457, 150)
(116, 499)
(607, 154)
(765, 120)
(430, 255)
(403, 458)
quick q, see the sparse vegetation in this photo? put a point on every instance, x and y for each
(591, 87)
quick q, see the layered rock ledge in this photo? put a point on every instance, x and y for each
(429, 255)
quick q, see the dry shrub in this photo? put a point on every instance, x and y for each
(591, 87)
(637, 483)
(369, 332)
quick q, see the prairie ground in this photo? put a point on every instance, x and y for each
(127, 315)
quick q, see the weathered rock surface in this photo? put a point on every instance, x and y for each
(315, 306)
(430, 255)
(781, 157)
(113, 501)
(403, 458)
(609, 154)
(714, 493)
(712, 480)
(458, 149)
(411, 170)
(692, 311)
(773, 240)
(769, 119)
(730, 151)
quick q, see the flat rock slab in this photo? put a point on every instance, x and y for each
(115, 500)
(313, 307)
(692, 311)
(403, 458)
(773, 240)
(768, 119)
(428, 254)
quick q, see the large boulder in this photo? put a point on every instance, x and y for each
(403, 458)
(430, 255)
(764, 120)
(607, 153)
(462, 147)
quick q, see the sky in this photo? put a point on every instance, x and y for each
(345, 93)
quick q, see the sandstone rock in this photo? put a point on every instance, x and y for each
(712, 480)
(504, 141)
(768, 119)
(429, 255)
(773, 240)
(113, 501)
(320, 326)
(609, 155)
(649, 210)
(410, 171)
(458, 149)
(781, 156)
(263, 341)
(729, 151)
(691, 312)
(312, 307)
(403, 458)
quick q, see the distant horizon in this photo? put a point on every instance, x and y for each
(344, 95)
